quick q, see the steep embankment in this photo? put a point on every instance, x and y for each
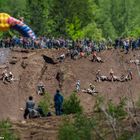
(13, 96)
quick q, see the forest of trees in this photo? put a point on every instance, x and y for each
(95, 19)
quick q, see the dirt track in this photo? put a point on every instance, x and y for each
(13, 96)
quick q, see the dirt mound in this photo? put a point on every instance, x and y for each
(30, 68)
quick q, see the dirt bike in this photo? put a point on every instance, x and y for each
(41, 90)
(33, 113)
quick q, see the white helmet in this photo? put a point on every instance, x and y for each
(10, 73)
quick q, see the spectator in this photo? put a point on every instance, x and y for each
(58, 101)
(78, 86)
(30, 104)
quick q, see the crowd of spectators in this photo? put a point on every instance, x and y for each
(129, 43)
(44, 42)
(80, 45)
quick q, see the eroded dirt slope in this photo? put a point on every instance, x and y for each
(14, 95)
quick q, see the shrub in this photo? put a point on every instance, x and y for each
(5, 132)
(117, 111)
(98, 103)
(45, 103)
(79, 129)
(68, 131)
(72, 105)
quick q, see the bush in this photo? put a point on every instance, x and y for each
(93, 32)
(80, 129)
(117, 111)
(98, 103)
(68, 132)
(5, 132)
(72, 105)
(45, 103)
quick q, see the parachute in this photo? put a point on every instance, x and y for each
(7, 22)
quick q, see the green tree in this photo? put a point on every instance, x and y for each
(74, 18)
(38, 13)
(103, 18)
(117, 111)
(73, 30)
(72, 105)
(45, 103)
(80, 129)
(66, 13)
(8, 6)
(117, 17)
(93, 32)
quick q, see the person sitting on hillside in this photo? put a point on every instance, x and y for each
(58, 101)
(30, 104)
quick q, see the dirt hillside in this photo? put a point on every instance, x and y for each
(30, 67)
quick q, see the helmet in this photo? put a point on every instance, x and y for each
(111, 71)
(78, 81)
(10, 73)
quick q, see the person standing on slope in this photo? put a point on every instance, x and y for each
(78, 86)
(58, 102)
